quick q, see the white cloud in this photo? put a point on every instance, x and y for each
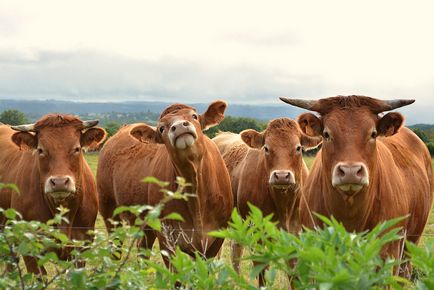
(243, 50)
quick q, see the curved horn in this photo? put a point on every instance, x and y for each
(90, 123)
(24, 128)
(305, 104)
(389, 105)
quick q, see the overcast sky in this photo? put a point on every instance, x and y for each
(197, 51)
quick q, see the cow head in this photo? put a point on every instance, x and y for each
(180, 128)
(281, 144)
(58, 142)
(350, 127)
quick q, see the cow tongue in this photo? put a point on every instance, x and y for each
(184, 141)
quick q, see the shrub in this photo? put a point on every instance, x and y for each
(326, 258)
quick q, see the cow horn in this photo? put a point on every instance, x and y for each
(90, 123)
(24, 128)
(305, 104)
(394, 104)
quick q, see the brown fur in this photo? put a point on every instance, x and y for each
(125, 161)
(59, 135)
(399, 165)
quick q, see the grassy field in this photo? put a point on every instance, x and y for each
(281, 281)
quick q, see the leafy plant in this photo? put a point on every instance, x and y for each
(324, 258)
(422, 259)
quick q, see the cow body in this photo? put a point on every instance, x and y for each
(369, 169)
(36, 166)
(125, 161)
(268, 171)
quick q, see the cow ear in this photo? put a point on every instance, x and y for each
(213, 115)
(309, 142)
(310, 124)
(25, 139)
(93, 137)
(146, 134)
(390, 124)
(252, 138)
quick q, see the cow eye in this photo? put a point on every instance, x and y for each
(195, 116)
(298, 148)
(161, 129)
(40, 151)
(326, 135)
(77, 150)
(266, 149)
(374, 134)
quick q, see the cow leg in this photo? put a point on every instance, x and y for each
(261, 276)
(32, 266)
(147, 241)
(237, 251)
(166, 259)
(214, 249)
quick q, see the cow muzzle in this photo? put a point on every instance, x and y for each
(282, 179)
(60, 187)
(182, 135)
(350, 178)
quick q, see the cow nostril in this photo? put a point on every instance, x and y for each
(287, 175)
(185, 124)
(53, 183)
(276, 175)
(173, 128)
(360, 172)
(341, 172)
(67, 181)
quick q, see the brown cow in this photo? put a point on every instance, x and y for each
(46, 162)
(267, 170)
(177, 147)
(370, 168)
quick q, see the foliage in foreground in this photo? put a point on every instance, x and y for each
(328, 258)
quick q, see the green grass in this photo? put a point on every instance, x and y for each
(309, 161)
(92, 160)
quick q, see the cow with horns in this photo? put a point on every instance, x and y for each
(45, 160)
(370, 168)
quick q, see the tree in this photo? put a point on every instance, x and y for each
(236, 125)
(421, 134)
(13, 117)
(111, 128)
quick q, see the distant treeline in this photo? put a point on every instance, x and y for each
(426, 134)
(112, 121)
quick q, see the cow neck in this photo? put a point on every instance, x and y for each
(72, 202)
(354, 212)
(190, 166)
(286, 202)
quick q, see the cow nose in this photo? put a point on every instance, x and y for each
(281, 178)
(350, 173)
(179, 125)
(60, 183)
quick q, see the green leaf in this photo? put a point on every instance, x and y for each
(122, 209)
(154, 224)
(10, 213)
(154, 180)
(174, 216)
(256, 270)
